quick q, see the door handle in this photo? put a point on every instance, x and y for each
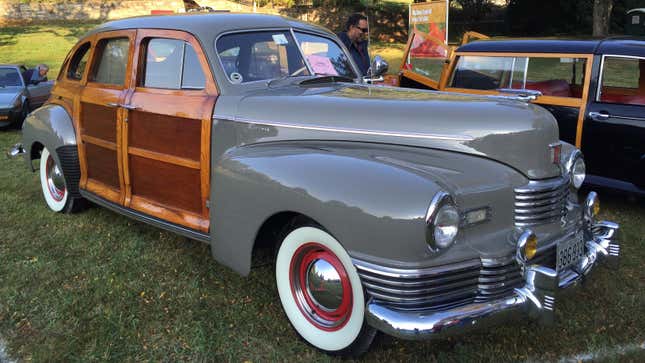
(130, 107)
(599, 116)
(112, 104)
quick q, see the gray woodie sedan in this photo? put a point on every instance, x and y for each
(18, 96)
(419, 214)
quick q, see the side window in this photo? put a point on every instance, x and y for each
(172, 64)
(426, 56)
(623, 81)
(111, 61)
(560, 77)
(487, 73)
(79, 62)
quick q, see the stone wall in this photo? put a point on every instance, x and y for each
(35, 11)
(25, 12)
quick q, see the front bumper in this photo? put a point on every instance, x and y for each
(535, 299)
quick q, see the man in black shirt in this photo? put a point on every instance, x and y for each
(355, 39)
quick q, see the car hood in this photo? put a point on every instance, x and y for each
(512, 132)
(8, 96)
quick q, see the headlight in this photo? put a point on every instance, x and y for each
(578, 172)
(575, 167)
(446, 225)
(443, 221)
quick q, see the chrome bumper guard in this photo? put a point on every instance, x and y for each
(15, 151)
(536, 299)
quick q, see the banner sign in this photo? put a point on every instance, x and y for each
(429, 26)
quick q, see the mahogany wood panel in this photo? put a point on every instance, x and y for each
(165, 134)
(166, 184)
(105, 191)
(102, 165)
(188, 163)
(170, 214)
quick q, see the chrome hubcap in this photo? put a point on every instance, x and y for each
(321, 287)
(324, 285)
(55, 180)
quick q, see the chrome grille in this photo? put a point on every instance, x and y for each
(497, 279)
(434, 288)
(541, 202)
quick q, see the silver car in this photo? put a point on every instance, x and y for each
(17, 96)
(415, 213)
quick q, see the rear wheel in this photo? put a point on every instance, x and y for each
(54, 186)
(321, 292)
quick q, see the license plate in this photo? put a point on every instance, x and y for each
(570, 251)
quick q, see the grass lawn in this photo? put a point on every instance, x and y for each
(97, 286)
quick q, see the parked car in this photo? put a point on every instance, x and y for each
(17, 96)
(595, 89)
(390, 210)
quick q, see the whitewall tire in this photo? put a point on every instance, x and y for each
(321, 292)
(52, 182)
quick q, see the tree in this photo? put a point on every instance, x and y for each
(601, 17)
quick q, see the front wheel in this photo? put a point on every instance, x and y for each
(54, 186)
(321, 292)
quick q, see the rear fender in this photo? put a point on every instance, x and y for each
(51, 126)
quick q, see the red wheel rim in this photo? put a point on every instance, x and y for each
(54, 178)
(303, 289)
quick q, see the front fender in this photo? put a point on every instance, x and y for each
(371, 205)
(50, 125)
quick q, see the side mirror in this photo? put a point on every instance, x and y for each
(379, 67)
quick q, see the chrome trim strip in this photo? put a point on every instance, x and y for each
(401, 273)
(411, 135)
(186, 232)
(434, 205)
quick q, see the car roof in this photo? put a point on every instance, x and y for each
(618, 46)
(206, 26)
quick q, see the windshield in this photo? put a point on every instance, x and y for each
(10, 77)
(265, 55)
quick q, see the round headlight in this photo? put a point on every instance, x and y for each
(527, 245)
(446, 225)
(578, 172)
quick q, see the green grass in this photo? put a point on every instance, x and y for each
(97, 286)
(34, 44)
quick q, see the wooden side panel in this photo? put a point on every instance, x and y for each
(166, 184)
(165, 134)
(102, 165)
(99, 121)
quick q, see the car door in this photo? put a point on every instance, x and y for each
(614, 131)
(38, 93)
(100, 117)
(166, 139)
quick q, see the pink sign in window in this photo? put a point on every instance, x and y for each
(321, 65)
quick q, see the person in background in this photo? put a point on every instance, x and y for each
(355, 39)
(36, 75)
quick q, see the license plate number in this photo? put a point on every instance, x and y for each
(570, 251)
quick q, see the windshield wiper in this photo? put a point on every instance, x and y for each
(293, 74)
(326, 78)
